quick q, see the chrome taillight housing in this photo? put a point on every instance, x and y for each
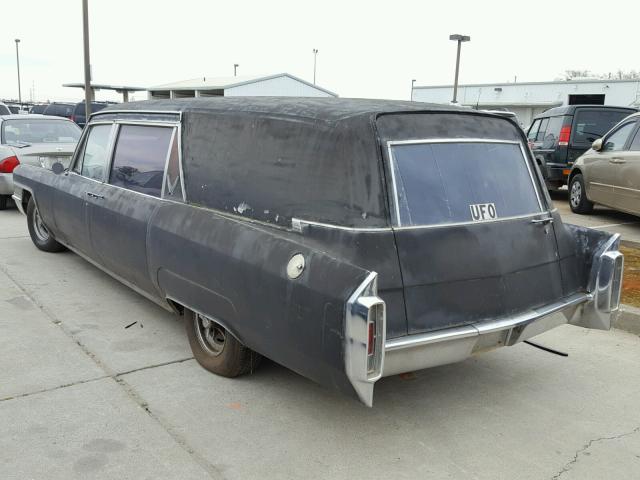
(365, 333)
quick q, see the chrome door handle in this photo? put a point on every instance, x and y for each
(617, 160)
(93, 195)
(542, 221)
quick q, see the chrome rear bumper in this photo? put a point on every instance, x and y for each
(595, 309)
(415, 352)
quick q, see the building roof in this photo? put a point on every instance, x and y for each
(222, 83)
(102, 86)
(518, 84)
(315, 108)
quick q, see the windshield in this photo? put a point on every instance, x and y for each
(39, 131)
(453, 182)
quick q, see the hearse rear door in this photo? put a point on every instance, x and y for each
(475, 238)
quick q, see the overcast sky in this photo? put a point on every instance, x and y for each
(366, 48)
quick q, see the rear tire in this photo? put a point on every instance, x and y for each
(40, 235)
(216, 349)
(578, 200)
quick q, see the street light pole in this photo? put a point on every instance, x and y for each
(88, 93)
(412, 82)
(235, 68)
(459, 38)
(315, 56)
(18, 64)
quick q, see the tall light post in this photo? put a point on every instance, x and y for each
(458, 38)
(315, 56)
(412, 82)
(88, 93)
(18, 64)
(235, 68)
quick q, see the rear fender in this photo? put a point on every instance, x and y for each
(603, 263)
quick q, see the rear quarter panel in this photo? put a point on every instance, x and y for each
(235, 272)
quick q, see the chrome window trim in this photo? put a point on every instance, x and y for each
(392, 143)
(166, 163)
(165, 112)
(175, 137)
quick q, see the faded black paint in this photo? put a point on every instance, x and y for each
(320, 160)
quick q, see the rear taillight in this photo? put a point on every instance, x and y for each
(375, 322)
(7, 165)
(365, 332)
(565, 134)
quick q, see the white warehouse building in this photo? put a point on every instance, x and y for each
(278, 85)
(528, 99)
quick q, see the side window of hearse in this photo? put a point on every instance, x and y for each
(139, 158)
(95, 157)
(173, 180)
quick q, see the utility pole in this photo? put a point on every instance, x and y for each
(412, 82)
(18, 63)
(235, 68)
(315, 56)
(458, 38)
(88, 92)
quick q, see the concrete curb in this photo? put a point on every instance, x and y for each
(628, 319)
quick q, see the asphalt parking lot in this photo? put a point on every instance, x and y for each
(81, 396)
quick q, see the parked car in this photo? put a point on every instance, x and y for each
(39, 108)
(4, 110)
(560, 135)
(609, 173)
(60, 109)
(79, 112)
(15, 108)
(33, 140)
(344, 239)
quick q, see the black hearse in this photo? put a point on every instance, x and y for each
(344, 239)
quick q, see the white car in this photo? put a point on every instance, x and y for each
(34, 140)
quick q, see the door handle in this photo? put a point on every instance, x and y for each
(542, 221)
(93, 195)
(617, 160)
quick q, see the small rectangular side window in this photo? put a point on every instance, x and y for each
(93, 161)
(139, 158)
(173, 187)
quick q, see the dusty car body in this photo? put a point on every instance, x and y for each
(344, 239)
(609, 172)
(35, 140)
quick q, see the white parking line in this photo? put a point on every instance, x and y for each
(615, 224)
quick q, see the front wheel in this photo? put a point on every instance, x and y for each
(578, 200)
(40, 235)
(216, 349)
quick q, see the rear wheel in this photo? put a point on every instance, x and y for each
(216, 349)
(40, 235)
(578, 200)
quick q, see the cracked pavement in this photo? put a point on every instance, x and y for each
(81, 396)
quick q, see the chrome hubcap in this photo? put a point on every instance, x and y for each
(211, 336)
(575, 194)
(39, 227)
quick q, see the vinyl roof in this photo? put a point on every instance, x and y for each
(320, 108)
